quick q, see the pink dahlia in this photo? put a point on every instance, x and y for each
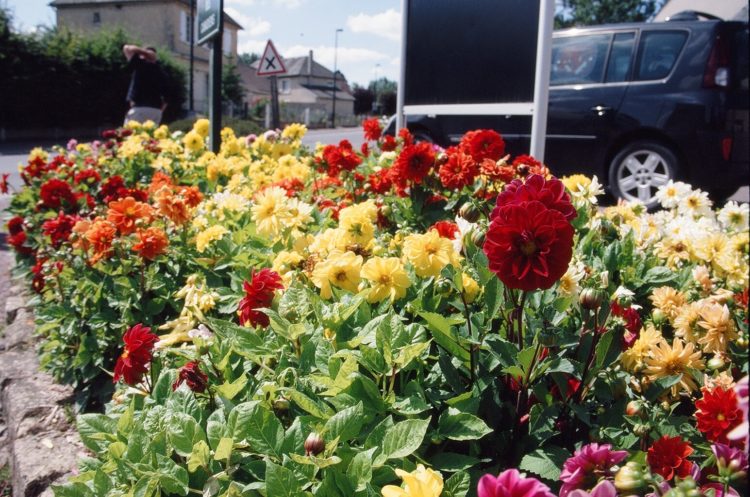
(588, 465)
(510, 483)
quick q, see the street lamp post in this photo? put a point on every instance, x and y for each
(191, 34)
(335, 70)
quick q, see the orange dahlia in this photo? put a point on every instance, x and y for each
(152, 242)
(100, 235)
(126, 212)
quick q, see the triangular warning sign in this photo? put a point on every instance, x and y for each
(270, 63)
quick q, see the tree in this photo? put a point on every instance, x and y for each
(232, 90)
(588, 12)
(248, 58)
(385, 95)
(363, 100)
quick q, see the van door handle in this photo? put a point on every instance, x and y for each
(600, 110)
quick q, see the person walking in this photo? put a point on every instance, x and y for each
(147, 90)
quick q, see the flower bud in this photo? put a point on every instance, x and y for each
(641, 430)
(469, 212)
(477, 237)
(314, 444)
(443, 286)
(632, 477)
(590, 298)
(633, 408)
(715, 363)
(686, 487)
(281, 405)
(658, 317)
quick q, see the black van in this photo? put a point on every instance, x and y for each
(637, 104)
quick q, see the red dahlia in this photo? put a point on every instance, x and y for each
(717, 413)
(87, 176)
(549, 192)
(259, 294)
(191, 374)
(372, 129)
(446, 229)
(413, 163)
(388, 143)
(529, 245)
(59, 228)
(15, 225)
(139, 344)
(668, 457)
(341, 157)
(483, 144)
(632, 323)
(56, 193)
(458, 171)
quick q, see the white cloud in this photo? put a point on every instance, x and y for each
(254, 26)
(386, 24)
(325, 54)
(251, 46)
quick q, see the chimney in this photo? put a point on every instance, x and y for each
(309, 66)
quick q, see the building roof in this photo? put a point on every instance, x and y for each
(298, 66)
(83, 3)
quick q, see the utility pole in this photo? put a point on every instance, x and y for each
(335, 70)
(215, 108)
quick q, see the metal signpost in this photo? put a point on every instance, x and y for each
(211, 28)
(271, 64)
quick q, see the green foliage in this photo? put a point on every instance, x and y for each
(590, 12)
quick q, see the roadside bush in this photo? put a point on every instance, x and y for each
(57, 78)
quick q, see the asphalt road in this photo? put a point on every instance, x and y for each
(13, 154)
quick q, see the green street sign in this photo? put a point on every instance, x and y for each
(209, 19)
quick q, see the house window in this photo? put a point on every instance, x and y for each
(185, 26)
(285, 86)
(226, 42)
(97, 18)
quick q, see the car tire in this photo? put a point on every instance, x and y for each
(640, 168)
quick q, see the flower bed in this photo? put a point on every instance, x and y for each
(398, 321)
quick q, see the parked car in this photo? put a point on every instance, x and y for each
(637, 104)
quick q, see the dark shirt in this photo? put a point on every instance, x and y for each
(147, 84)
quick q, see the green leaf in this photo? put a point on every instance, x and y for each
(97, 431)
(72, 490)
(444, 335)
(318, 409)
(451, 462)
(224, 449)
(345, 424)
(183, 432)
(403, 438)
(457, 425)
(658, 387)
(360, 468)
(172, 477)
(102, 483)
(457, 485)
(603, 355)
(280, 482)
(253, 422)
(410, 352)
(659, 275)
(229, 390)
(199, 456)
(546, 462)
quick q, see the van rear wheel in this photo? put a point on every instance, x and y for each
(639, 169)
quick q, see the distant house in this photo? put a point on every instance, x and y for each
(164, 24)
(305, 92)
(729, 10)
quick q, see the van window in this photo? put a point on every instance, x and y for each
(579, 59)
(740, 62)
(657, 53)
(620, 57)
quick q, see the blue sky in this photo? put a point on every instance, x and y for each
(369, 46)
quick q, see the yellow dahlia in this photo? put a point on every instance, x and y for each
(718, 327)
(678, 359)
(668, 300)
(422, 482)
(429, 253)
(387, 277)
(340, 269)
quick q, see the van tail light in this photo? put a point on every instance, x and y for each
(717, 67)
(726, 147)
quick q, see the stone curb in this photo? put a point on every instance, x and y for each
(40, 438)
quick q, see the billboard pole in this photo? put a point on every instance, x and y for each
(541, 79)
(400, 89)
(214, 110)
